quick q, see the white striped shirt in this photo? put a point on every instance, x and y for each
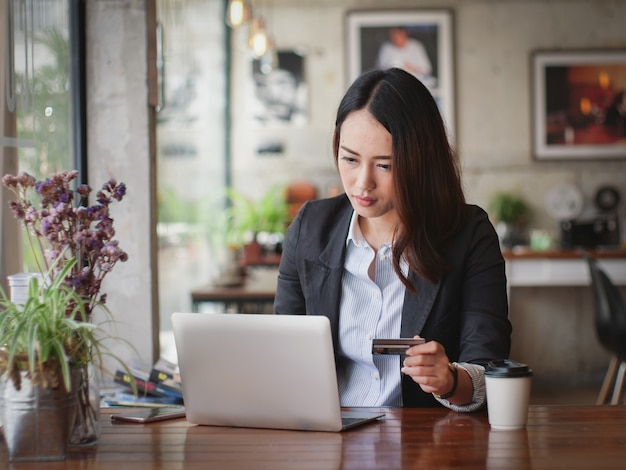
(369, 309)
(372, 308)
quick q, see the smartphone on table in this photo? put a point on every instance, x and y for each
(149, 415)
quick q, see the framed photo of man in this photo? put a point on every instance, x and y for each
(418, 41)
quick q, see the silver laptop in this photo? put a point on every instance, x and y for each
(260, 371)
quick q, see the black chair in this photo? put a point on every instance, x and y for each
(610, 320)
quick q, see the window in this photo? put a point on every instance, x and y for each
(191, 149)
(38, 133)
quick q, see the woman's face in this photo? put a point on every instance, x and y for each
(364, 163)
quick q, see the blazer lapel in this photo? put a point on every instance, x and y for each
(324, 274)
(417, 307)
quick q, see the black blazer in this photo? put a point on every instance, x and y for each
(467, 311)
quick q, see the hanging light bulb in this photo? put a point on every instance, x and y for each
(269, 60)
(258, 38)
(238, 13)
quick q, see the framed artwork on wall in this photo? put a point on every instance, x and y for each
(419, 41)
(280, 91)
(579, 104)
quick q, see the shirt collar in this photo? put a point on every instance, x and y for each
(354, 232)
(356, 236)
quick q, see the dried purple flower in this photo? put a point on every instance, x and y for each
(63, 227)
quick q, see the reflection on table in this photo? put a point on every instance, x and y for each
(556, 437)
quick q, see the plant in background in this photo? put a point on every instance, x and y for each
(270, 214)
(511, 213)
(509, 208)
(239, 227)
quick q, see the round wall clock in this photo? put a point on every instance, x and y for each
(564, 201)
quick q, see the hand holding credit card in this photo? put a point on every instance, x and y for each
(394, 345)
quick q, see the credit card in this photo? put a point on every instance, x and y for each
(394, 345)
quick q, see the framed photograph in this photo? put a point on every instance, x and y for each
(579, 104)
(419, 41)
(280, 90)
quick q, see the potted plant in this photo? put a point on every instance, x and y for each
(45, 342)
(74, 248)
(252, 220)
(510, 213)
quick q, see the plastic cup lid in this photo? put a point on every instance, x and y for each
(507, 368)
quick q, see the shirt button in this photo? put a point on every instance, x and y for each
(375, 375)
(376, 295)
(368, 337)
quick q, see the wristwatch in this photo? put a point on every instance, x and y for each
(455, 375)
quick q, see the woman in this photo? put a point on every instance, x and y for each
(400, 254)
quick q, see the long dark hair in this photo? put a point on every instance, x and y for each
(428, 193)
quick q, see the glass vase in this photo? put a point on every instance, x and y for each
(87, 426)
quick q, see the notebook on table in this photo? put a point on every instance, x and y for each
(261, 371)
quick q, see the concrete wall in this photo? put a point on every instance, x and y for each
(119, 147)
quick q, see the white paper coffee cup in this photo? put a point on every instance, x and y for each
(508, 394)
(19, 285)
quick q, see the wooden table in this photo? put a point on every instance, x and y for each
(556, 437)
(256, 295)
